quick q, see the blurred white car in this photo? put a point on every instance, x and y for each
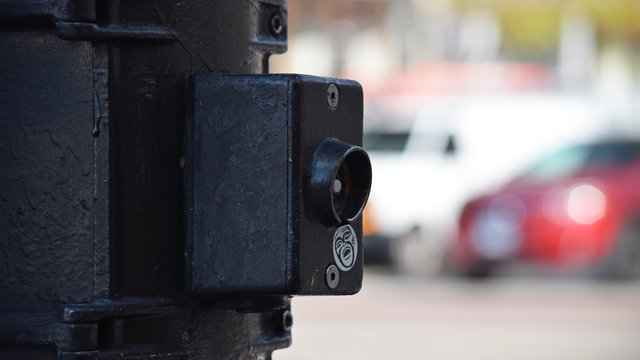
(453, 149)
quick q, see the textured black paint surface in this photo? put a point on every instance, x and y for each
(91, 183)
(251, 227)
(147, 113)
(316, 122)
(238, 239)
(46, 181)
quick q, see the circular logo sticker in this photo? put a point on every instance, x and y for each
(345, 247)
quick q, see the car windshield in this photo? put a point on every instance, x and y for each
(572, 160)
(387, 142)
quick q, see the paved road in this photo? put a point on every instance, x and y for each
(507, 318)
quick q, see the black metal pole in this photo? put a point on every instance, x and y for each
(92, 111)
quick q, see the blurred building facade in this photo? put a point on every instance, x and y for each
(588, 47)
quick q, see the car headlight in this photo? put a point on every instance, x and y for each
(585, 203)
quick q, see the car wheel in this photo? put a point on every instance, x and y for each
(411, 255)
(624, 259)
(479, 270)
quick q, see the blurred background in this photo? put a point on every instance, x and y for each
(504, 218)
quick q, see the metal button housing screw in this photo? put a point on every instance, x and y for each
(333, 96)
(277, 24)
(333, 276)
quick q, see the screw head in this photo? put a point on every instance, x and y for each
(333, 276)
(287, 320)
(333, 96)
(277, 24)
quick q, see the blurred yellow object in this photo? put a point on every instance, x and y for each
(369, 225)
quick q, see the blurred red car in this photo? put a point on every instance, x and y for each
(578, 208)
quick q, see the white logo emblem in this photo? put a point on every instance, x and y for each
(345, 247)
